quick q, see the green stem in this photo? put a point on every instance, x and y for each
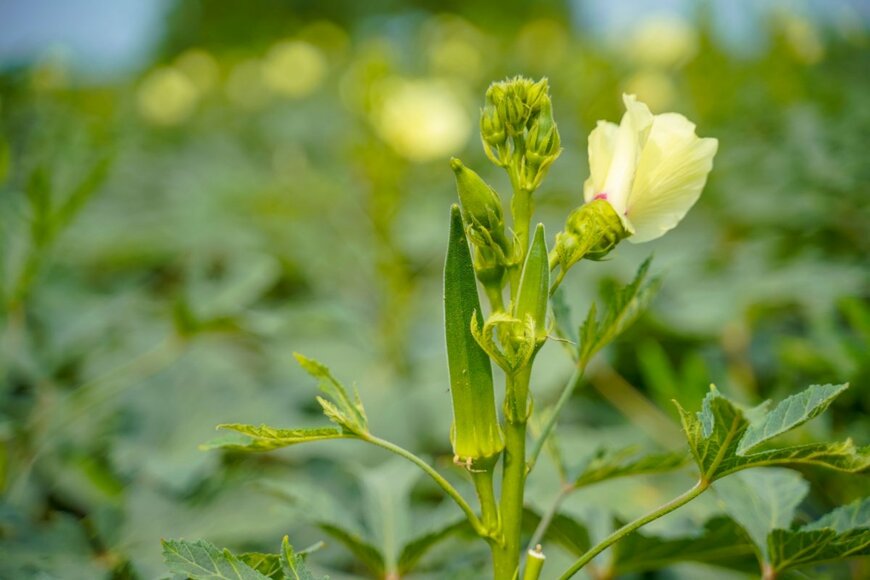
(506, 558)
(567, 391)
(442, 483)
(665, 509)
(483, 484)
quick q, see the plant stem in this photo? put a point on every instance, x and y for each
(442, 483)
(567, 391)
(628, 528)
(506, 558)
(483, 484)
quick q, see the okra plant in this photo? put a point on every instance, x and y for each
(645, 174)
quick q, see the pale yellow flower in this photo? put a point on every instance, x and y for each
(650, 168)
(167, 96)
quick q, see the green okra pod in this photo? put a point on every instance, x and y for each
(476, 432)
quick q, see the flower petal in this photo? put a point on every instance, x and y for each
(671, 173)
(630, 139)
(602, 141)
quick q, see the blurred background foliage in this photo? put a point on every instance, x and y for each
(192, 190)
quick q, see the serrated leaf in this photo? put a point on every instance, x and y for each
(608, 464)
(623, 308)
(762, 500)
(414, 550)
(789, 549)
(842, 533)
(266, 564)
(265, 438)
(201, 560)
(791, 412)
(721, 543)
(715, 434)
(844, 518)
(341, 408)
(293, 564)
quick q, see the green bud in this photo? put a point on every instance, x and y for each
(591, 232)
(476, 434)
(534, 289)
(492, 130)
(536, 93)
(543, 141)
(481, 205)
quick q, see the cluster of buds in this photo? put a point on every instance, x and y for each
(518, 130)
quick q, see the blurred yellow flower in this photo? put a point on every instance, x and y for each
(245, 86)
(200, 67)
(421, 119)
(650, 168)
(663, 41)
(652, 86)
(293, 68)
(167, 96)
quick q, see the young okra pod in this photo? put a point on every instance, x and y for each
(476, 432)
(535, 286)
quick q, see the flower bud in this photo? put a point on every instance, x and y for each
(481, 206)
(492, 130)
(591, 231)
(543, 141)
(476, 434)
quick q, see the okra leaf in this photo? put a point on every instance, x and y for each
(201, 560)
(842, 533)
(265, 438)
(721, 543)
(414, 550)
(564, 325)
(623, 308)
(762, 500)
(293, 563)
(563, 530)
(266, 564)
(791, 412)
(715, 436)
(362, 550)
(341, 409)
(603, 465)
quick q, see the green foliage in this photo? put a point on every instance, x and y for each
(265, 438)
(717, 433)
(338, 406)
(624, 305)
(720, 543)
(764, 503)
(201, 560)
(607, 464)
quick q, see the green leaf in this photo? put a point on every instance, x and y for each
(265, 438)
(340, 408)
(623, 308)
(565, 328)
(715, 435)
(563, 530)
(266, 564)
(201, 560)
(791, 412)
(603, 465)
(414, 550)
(721, 543)
(476, 433)
(842, 533)
(762, 500)
(844, 518)
(362, 550)
(293, 564)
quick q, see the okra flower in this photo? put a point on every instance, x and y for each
(649, 168)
